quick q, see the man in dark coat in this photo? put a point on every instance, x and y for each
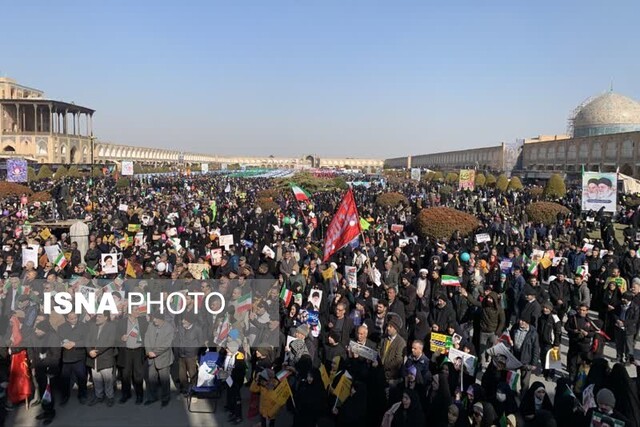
(581, 332)
(442, 316)
(549, 332)
(560, 295)
(626, 317)
(131, 330)
(73, 334)
(526, 349)
(101, 358)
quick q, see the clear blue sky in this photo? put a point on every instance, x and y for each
(335, 77)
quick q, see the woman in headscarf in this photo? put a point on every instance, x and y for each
(420, 328)
(534, 400)
(457, 417)
(439, 400)
(310, 400)
(483, 415)
(473, 394)
(610, 299)
(565, 404)
(626, 393)
(409, 414)
(504, 402)
(354, 409)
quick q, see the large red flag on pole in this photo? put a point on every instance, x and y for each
(344, 227)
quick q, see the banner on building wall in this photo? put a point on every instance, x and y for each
(17, 170)
(127, 167)
(467, 179)
(599, 190)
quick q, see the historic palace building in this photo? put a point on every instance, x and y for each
(42, 130)
(605, 136)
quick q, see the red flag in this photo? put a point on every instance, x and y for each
(19, 382)
(344, 227)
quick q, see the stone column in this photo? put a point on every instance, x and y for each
(50, 120)
(18, 120)
(1, 119)
(35, 117)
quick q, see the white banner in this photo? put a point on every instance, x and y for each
(363, 351)
(351, 274)
(127, 167)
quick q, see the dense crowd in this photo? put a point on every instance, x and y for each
(452, 331)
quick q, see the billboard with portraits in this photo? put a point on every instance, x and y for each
(599, 191)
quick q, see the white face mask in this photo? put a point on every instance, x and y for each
(501, 397)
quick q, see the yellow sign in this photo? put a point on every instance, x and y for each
(45, 234)
(343, 388)
(325, 376)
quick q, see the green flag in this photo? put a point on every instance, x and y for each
(364, 224)
(214, 210)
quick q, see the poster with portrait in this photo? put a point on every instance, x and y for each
(204, 167)
(16, 170)
(216, 256)
(30, 253)
(351, 274)
(127, 167)
(415, 174)
(316, 299)
(109, 263)
(467, 179)
(599, 191)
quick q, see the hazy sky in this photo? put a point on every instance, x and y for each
(334, 77)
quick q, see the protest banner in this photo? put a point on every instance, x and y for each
(483, 237)
(363, 351)
(127, 168)
(351, 274)
(440, 343)
(467, 360)
(415, 174)
(598, 419)
(30, 253)
(467, 179)
(226, 241)
(512, 363)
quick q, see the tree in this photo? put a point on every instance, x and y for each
(480, 180)
(452, 178)
(502, 183)
(44, 173)
(490, 180)
(515, 184)
(123, 183)
(73, 172)
(31, 174)
(137, 168)
(437, 176)
(555, 188)
(61, 172)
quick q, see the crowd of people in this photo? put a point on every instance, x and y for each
(394, 329)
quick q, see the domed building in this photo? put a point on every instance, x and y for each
(607, 114)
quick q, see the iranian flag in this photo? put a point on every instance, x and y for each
(532, 266)
(513, 378)
(60, 260)
(450, 281)
(285, 295)
(243, 304)
(581, 271)
(300, 193)
(223, 330)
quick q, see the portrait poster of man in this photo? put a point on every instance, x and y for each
(109, 263)
(599, 191)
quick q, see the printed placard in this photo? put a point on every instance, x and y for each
(483, 237)
(226, 241)
(440, 343)
(363, 351)
(351, 274)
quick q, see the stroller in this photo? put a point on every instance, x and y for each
(208, 385)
